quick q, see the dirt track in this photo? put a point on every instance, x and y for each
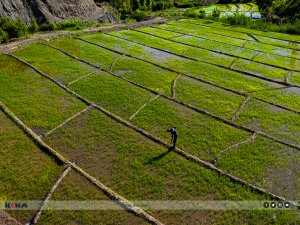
(12, 46)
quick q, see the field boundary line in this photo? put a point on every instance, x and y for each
(205, 25)
(172, 70)
(80, 78)
(233, 62)
(49, 195)
(256, 55)
(185, 51)
(114, 62)
(31, 134)
(68, 120)
(287, 77)
(233, 147)
(210, 63)
(253, 37)
(234, 45)
(174, 82)
(143, 106)
(126, 204)
(241, 108)
(244, 45)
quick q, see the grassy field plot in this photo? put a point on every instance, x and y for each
(209, 57)
(260, 70)
(273, 49)
(176, 48)
(138, 169)
(38, 102)
(76, 188)
(97, 56)
(152, 41)
(112, 93)
(295, 78)
(287, 97)
(216, 46)
(145, 74)
(136, 50)
(267, 164)
(56, 64)
(207, 44)
(272, 120)
(277, 42)
(215, 100)
(203, 27)
(276, 60)
(230, 45)
(159, 32)
(201, 34)
(225, 78)
(200, 135)
(27, 173)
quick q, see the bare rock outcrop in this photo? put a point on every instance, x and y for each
(57, 10)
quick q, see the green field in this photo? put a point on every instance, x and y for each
(215, 83)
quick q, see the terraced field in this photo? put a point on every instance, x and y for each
(86, 117)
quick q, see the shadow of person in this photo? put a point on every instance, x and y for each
(156, 158)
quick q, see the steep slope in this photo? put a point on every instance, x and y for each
(56, 10)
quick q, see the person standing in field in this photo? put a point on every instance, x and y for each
(174, 134)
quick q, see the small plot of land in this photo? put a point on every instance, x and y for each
(76, 188)
(105, 101)
(26, 172)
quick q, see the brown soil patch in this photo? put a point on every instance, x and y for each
(6, 219)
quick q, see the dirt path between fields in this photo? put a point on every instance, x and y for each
(12, 46)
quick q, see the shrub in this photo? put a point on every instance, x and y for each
(216, 13)
(185, 5)
(202, 14)
(44, 27)
(162, 5)
(71, 25)
(3, 36)
(52, 26)
(139, 15)
(33, 27)
(14, 29)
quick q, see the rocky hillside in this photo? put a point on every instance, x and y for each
(56, 10)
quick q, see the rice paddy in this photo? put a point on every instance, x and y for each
(105, 100)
